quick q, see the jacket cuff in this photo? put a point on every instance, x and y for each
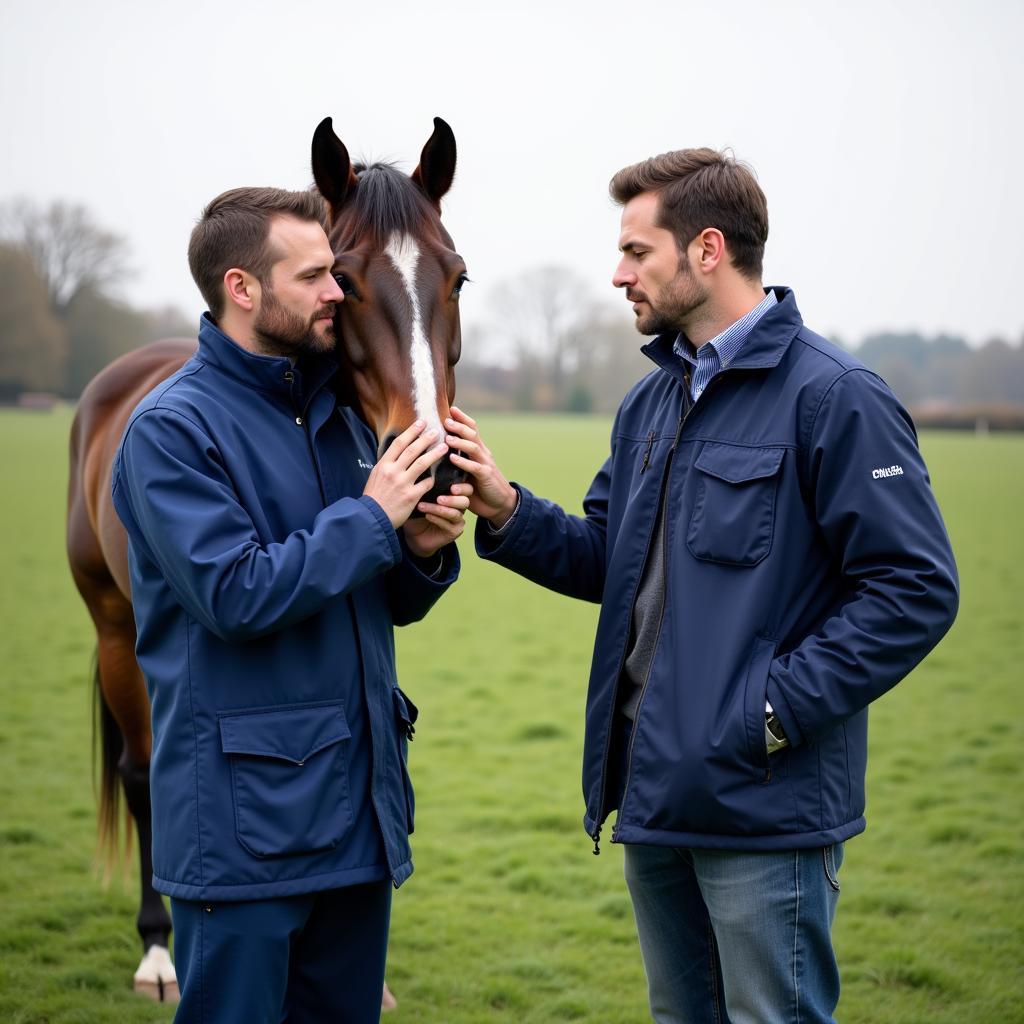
(490, 542)
(443, 574)
(389, 532)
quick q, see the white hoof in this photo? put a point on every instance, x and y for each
(155, 977)
(388, 1001)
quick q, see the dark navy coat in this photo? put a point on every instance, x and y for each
(265, 588)
(806, 564)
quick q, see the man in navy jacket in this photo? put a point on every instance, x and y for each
(769, 558)
(269, 561)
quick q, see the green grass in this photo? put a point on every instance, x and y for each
(509, 917)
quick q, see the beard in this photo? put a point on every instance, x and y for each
(675, 305)
(281, 332)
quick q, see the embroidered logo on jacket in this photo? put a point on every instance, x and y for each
(881, 474)
(366, 465)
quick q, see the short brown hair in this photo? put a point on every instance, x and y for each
(703, 188)
(233, 230)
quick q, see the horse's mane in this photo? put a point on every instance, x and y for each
(387, 200)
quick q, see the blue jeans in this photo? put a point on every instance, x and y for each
(300, 959)
(737, 937)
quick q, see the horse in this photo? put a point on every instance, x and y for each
(399, 339)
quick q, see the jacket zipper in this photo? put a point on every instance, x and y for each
(690, 406)
(647, 454)
(663, 525)
(596, 834)
(303, 421)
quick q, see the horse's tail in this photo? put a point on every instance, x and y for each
(107, 745)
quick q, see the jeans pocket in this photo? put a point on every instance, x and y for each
(831, 862)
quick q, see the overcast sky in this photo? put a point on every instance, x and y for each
(887, 136)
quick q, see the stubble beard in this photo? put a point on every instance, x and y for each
(281, 332)
(678, 301)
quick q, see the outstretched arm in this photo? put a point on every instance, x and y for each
(533, 537)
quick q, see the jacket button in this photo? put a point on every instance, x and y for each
(298, 419)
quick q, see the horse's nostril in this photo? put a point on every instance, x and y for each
(447, 474)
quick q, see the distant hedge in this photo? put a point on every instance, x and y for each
(981, 417)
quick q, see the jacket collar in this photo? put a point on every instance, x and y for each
(763, 349)
(274, 374)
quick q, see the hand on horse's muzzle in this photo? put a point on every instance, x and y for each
(445, 474)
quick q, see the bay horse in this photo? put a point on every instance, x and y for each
(399, 339)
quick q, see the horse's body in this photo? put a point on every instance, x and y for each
(398, 341)
(98, 553)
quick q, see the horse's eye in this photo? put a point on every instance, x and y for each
(457, 290)
(345, 284)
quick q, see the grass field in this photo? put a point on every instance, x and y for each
(509, 917)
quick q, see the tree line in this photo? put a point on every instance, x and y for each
(548, 346)
(60, 319)
(543, 345)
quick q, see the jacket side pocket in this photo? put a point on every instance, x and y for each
(289, 778)
(406, 714)
(754, 699)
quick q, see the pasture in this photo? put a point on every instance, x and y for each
(509, 917)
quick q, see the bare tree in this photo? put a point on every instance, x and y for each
(33, 342)
(69, 251)
(540, 312)
(613, 360)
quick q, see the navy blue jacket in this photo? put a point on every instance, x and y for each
(806, 563)
(265, 588)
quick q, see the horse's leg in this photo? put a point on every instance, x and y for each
(155, 976)
(126, 743)
(124, 693)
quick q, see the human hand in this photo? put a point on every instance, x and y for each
(493, 497)
(392, 483)
(441, 524)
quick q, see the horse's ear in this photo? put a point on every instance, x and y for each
(332, 168)
(437, 162)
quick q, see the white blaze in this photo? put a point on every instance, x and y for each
(405, 255)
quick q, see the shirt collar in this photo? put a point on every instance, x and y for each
(726, 344)
(765, 347)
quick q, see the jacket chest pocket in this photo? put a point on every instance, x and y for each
(733, 517)
(289, 778)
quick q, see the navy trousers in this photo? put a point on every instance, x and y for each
(313, 959)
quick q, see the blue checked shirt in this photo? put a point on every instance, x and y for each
(721, 350)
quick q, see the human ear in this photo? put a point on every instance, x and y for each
(711, 248)
(241, 288)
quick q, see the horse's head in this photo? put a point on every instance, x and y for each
(398, 328)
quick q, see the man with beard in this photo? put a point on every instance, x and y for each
(269, 561)
(770, 559)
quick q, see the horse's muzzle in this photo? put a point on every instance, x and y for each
(445, 474)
